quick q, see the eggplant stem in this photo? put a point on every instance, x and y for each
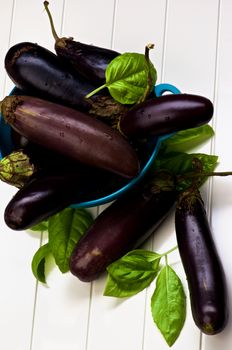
(54, 33)
(148, 47)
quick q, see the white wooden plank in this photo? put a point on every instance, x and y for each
(90, 22)
(139, 23)
(62, 310)
(222, 187)
(16, 248)
(189, 63)
(7, 15)
(120, 323)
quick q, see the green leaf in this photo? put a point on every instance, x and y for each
(64, 231)
(38, 262)
(132, 273)
(42, 226)
(186, 140)
(178, 163)
(127, 78)
(168, 304)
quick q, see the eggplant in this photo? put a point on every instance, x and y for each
(88, 60)
(39, 72)
(48, 193)
(202, 264)
(166, 114)
(54, 187)
(71, 133)
(123, 225)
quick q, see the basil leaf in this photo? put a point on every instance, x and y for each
(178, 163)
(64, 231)
(168, 304)
(132, 273)
(41, 226)
(129, 77)
(185, 140)
(38, 262)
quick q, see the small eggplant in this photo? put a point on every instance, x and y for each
(38, 71)
(72, 133)
(48, 188)
(88, 60)
(203, 268)
(166, 114)
(122, 226)
(48, 193)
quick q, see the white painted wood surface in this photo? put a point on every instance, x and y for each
(193, 50)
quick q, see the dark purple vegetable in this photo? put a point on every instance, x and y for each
(124, 225)
(40, 72)
(71, 133)
(166, 114)
(53, 187)
(88, 60)
(203, 268)
(48, 193)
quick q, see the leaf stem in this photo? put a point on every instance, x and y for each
(95, 91)
(169, 251)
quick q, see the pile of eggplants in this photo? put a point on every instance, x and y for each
(51, 116)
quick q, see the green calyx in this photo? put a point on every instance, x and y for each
(16, 169)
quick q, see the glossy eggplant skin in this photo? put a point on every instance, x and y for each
(38, 71)
(48, 193)
(71, 133)
(166, 114)
(203, 268)
(88, 60)
(122, 226)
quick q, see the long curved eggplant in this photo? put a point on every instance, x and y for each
(166, 114)
(123, 225)
(40, 72)
(203, 268)
(71, 133)
(88, 60)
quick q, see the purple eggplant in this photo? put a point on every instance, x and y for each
(88, 60)
(39, 72)
(71, 133)
(166, 114)
(122, 226)
(202, 264)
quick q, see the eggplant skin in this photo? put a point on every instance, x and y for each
(71, 133)
(122, 226)
(202, 265)
(88, 60)
(166, 114)
(48, 193)
(41, 73)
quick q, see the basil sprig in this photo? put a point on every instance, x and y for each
(64, 231)
(134, 272)
(129, 77)
(168, 304)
